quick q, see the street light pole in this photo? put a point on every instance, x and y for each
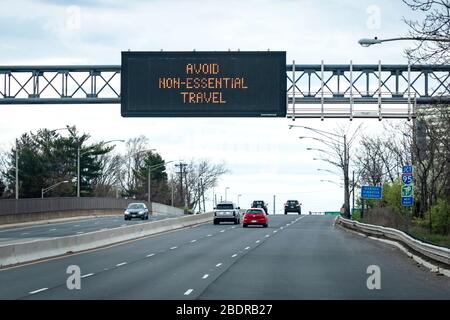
(226, 192)
(44, 190)
(368, 42)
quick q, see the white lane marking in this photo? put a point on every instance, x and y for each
(222, 230)
(121, 264)
(103, 229)
(24, 233)
(281, 228)
(257, 241)
(209, 235)
(173, 248)
(234, 255)
(205, 276)
(87, 275)
(246, 248)
(192, 241)
(52, 230)
(150, 255)
(124, 225)
(38, 290)
(267, 235)
(233, 227)
(80, 232)
(218, 265)
(188, 292)
(77, 225)
(275, 231)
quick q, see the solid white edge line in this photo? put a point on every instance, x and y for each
(121, 264)
(38, 290)
(188, 292)
(150, 255)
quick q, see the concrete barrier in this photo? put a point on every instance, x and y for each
(159, 208)
(35, 250)
(6, 219)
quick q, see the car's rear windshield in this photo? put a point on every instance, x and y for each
(224, 206)
(136, 206)
(251, 211)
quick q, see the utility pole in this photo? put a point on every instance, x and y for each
(17, 170)
(181, 166)
(171, 189)
(346, 180)
(202, 194)
(353, 192)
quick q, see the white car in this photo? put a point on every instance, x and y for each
(227, 212)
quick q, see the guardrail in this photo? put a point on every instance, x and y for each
(16, 253)
(433, 252)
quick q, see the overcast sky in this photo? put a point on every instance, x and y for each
(264, 157)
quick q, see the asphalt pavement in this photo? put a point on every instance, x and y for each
(297, 257)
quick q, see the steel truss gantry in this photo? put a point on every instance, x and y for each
(314, 90)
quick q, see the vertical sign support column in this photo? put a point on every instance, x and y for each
(321, 90)
(409, 87)
(294, 84)
(351, 90)
(379, 90)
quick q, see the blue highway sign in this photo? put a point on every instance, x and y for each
(371, 192)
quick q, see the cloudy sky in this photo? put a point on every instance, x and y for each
(264, 157)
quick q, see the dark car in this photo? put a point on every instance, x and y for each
(255, 216)
(136, 210)
(260, 204)
(292, 206)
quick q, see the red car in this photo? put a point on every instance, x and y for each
(255, 216)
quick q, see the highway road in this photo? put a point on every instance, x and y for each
(67, 228)
(297, 257)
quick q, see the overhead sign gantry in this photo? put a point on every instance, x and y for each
(232, 84)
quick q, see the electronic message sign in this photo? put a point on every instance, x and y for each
(203, 84)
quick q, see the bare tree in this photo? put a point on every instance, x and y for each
(132, 162)
(435, 25)
(200, 176)
(107, 184)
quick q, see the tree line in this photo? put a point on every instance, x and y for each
(48, 157)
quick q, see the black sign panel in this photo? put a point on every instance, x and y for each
(203, 84)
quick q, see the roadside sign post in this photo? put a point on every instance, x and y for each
(407, 194)
(370, 192)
